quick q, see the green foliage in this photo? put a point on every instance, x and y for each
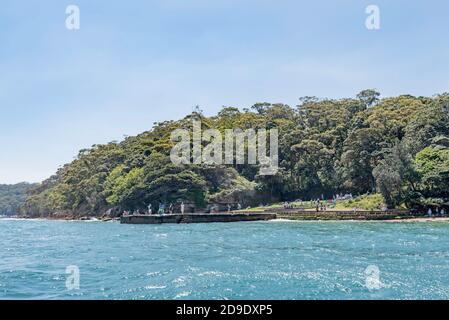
(432, 163)
(394, 146)
(395, 174)
(12, 197)
(365, 202)
(369, 97)
(121, 186)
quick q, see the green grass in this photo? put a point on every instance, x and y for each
(280, 205)
(365, 202)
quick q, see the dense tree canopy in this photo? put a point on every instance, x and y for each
(397, 146)
(12, 197)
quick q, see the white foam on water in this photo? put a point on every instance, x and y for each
(183, 294)
(283, 220)
(155, 287)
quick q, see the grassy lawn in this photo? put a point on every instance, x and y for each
(365, 202)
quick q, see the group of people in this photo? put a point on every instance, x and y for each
(321, 205)
(341, 196)
(438, 212)
(215, 208)
(162, 209)
(288, 205)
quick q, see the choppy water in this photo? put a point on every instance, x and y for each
(260, 260)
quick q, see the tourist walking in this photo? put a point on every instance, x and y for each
(161, 208)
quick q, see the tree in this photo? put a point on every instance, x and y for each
(369, 97)
(12, 197)
(432, 163)
(395, 175)
(360, 156)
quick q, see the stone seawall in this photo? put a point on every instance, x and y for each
(196, 218)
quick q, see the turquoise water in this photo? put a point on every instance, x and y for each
(260, 260)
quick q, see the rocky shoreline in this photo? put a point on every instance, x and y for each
(68, 218)
(289, 217)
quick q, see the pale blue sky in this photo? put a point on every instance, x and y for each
(134, 62)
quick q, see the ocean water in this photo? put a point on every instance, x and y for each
(248, 260)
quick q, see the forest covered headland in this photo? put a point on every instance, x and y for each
(12, 197)
(397, 147)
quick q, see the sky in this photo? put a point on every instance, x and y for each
(133, 63)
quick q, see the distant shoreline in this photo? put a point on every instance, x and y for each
(280, 219)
